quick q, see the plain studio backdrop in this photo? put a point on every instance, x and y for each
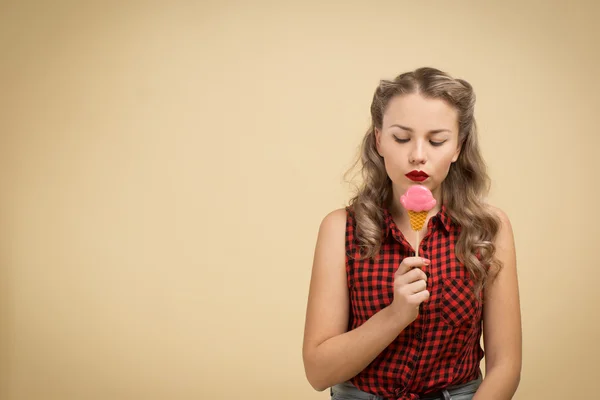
(165, 167)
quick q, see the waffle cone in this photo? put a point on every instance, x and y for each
(417, 219)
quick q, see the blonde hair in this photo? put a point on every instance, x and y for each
(463, 190)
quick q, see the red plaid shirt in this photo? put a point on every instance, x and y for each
(441, 347)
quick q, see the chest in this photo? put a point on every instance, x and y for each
(449, 282)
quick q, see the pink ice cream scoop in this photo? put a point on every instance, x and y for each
(418, 198)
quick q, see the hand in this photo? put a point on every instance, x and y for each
(410, 283)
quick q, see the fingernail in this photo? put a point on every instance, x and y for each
(426, 261)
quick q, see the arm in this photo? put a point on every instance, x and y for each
(331, 354)
(502, 323)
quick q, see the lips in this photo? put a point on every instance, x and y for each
(417, 176)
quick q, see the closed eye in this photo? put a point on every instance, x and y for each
(436, 143)
(401, 140)
(433, 142)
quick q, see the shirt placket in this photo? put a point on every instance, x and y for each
(416, 329)
(423, 320)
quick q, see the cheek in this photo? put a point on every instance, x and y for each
(391, 165)
(443, 165)
(390, 152)
(395, 158)
(394, 162)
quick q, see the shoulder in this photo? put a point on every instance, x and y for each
(504, 240)
(331, 242)
(501, 216)
(334, 222)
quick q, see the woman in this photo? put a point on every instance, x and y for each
(384, 324)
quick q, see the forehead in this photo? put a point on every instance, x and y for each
(420, 113)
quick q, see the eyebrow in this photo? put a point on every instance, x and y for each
(431, 131)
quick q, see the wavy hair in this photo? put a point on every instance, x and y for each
(463, 190)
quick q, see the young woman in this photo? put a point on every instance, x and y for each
(384, 324)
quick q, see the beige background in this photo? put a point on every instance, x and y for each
(165, 167)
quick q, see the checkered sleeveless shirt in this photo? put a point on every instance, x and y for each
(442, 346)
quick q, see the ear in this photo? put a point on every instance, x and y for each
(456, 154)
(378, 141)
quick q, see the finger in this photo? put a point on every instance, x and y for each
(413, 275)
(417, 286)
(411, 262)
(421, 296)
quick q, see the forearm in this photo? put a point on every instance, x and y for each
(344, 356)
(500, 383)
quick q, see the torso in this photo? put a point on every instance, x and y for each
(441, 347)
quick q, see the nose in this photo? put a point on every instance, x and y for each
(417, 153)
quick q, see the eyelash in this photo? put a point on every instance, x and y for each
(436, 144)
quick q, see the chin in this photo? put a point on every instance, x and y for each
(422, 183)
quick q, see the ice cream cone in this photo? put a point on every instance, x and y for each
(417, 219)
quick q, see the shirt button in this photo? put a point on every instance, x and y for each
(418, 334)
(424, 247)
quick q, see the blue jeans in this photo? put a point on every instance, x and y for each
(347, 391)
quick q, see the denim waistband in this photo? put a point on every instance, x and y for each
(347, 390)
(458, 390)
